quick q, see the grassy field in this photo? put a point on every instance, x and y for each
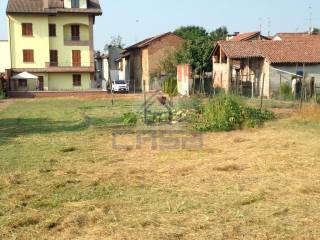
(60, 177)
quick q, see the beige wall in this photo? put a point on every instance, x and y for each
(5, 61)
(64, 82)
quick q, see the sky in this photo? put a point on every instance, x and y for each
(135, 20)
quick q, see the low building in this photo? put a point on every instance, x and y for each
(5, 60)
(139, 61)
(260, 67)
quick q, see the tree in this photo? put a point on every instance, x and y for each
(198, 46)
(191, 32)
(116, 41)
(219, 34)
(316, 31)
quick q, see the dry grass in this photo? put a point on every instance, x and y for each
(309, 113)
(61, 184)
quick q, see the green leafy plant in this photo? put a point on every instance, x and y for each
(285, 90)
(130, 118)
(227, 113)
(170, 86)
(192, 103)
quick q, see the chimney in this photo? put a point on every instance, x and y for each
(45, 4)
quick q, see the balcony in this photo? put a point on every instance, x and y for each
(70, 66)
(76, 35)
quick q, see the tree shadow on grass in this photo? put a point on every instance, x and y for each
(11, 128)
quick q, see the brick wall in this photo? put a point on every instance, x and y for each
(160, 48)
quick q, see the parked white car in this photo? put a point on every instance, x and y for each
(120, 86)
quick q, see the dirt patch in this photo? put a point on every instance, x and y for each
(5, 103)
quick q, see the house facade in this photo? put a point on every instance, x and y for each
(5, 61)
(260, 67)
(139, 61)
(52, 40)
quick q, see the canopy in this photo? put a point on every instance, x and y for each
(24, 75)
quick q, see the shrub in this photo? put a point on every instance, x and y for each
(226, 113)
(2, 95)
(285, 89)
(170, 86)
(193, 103)
(130, 118)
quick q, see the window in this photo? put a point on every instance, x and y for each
(27, 29)
(77, 80)
(22, 83)
(75, 32)
(53, 58)
(28, 56)
(52, 30)
(76, 58)
(75, 3)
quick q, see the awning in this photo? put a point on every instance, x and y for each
(24, 75)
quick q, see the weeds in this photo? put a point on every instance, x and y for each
(227, 113)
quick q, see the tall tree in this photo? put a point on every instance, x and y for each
(219, 34)
(191, 32)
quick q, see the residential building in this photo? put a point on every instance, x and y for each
(303, 36)
(140, 60)
(264, 65)
(5, 61)
(247, 36)
(54, 41)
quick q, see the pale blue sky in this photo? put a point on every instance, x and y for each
(137, 19)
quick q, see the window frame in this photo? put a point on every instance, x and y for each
(75, 3)
(24, 81)
(76, 80)
(53, 55)
(52, 30)
(28, 55)
(75, 32)
(27, 29)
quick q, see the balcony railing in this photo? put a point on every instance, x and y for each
(68, 64)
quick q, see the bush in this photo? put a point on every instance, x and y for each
(170, 86)
(2, 95)
(227, 113)
(193, 103)
(285, 89)
(130, 118)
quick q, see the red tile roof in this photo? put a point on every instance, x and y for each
(245, 36)
(297, 36)
(147, 41)
(54, 7)
(274, 51)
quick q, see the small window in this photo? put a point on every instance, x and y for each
(53, 58)
(28, 56)
(52, 30)
(22, 83)
(75, 32)
(27, 29)
(77, 80)
(75, 4)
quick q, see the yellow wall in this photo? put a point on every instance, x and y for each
(64, 82)
(57, 43)
(39, 41)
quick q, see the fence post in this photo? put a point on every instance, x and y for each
(144, 102)
(262, 92)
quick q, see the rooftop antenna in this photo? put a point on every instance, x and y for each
(310, 20)
(260, 25)
(269, 26)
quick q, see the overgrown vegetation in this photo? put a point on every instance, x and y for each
(170, 86)
(227, 112)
